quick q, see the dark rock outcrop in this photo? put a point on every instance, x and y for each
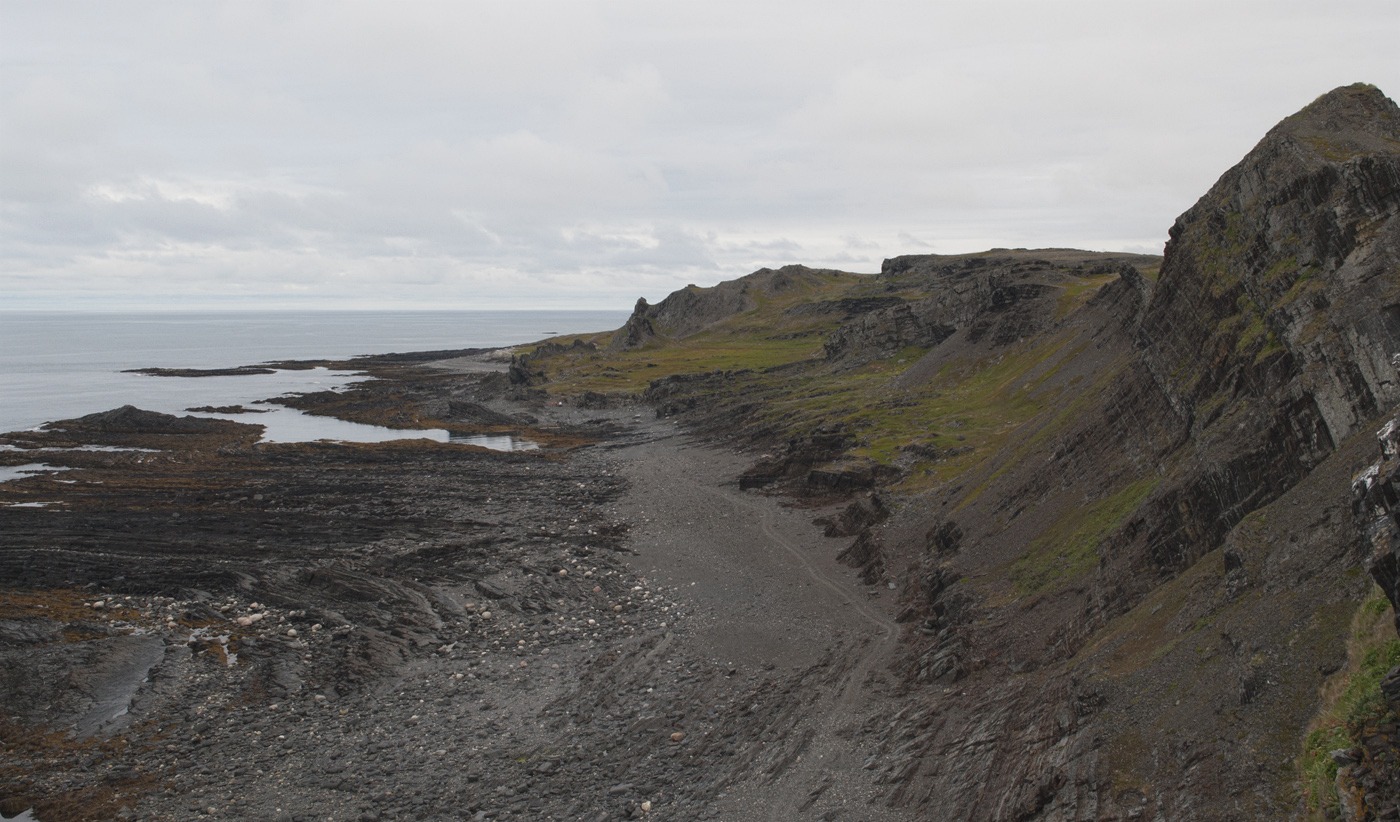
(993, 300)
(846, 306)
(1282, 280)
(692, 309)
(1376, 491)
(528, 369)
(679, 393)
(858, 516)
(849, 474)
(132, 420)
(1368, 775)
(466, 411)
(797, 458)
(864, 554)
(636, 332)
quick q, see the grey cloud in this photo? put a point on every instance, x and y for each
(585, 153)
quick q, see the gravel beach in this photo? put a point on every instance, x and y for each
(421, 630)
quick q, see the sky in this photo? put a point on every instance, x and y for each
(522, 154)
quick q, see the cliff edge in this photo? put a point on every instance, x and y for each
(1115, 491)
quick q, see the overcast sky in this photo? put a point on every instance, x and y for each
(522, 154)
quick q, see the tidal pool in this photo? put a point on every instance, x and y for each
(496, 442)
(29, 469)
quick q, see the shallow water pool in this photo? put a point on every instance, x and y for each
(496, 442)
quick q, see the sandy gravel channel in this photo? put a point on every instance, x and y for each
(764, 593)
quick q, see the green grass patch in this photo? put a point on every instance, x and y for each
(1083, 399)
(1280, 269)
(975, 405)
(763, 337)
(1069, 548)
(1250, 335)
(1075, 294)
(1271, 346)
(1351, 699)
(631, 371)
(972, 406)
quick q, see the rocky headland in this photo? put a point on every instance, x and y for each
(1020, 535)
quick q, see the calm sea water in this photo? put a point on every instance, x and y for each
(57, 366)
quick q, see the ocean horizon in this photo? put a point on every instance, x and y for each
(58, 365)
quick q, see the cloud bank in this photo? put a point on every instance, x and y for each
(581, 154)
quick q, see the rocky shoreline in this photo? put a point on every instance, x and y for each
(1126, 548)
(217, 628)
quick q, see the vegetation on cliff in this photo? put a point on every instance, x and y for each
(1121, 485)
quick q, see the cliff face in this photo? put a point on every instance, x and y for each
(1118, 494)
(1169, 553)
(986, 301)
(1283, 276)
(1376, 492)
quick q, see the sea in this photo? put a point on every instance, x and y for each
(61, 365)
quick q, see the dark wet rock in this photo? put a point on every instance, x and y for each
(467, 412)
(239, 371)
(27, 631)
(228, 409)
(132, 420)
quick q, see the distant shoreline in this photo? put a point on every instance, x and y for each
(65, 364)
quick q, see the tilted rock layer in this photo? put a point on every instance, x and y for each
(1170, 553)
(1126, 600)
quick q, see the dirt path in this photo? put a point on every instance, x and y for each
(766, 592)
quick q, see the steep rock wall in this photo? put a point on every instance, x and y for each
(1267, 343)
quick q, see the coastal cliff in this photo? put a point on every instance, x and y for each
(1119, 487)
(1026, 534)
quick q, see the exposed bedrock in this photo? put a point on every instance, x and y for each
(1376, 491)
(796, 460)
(693, 309)
(995, 299)
(525, 369)
(1178, 534)
(1165, 536)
